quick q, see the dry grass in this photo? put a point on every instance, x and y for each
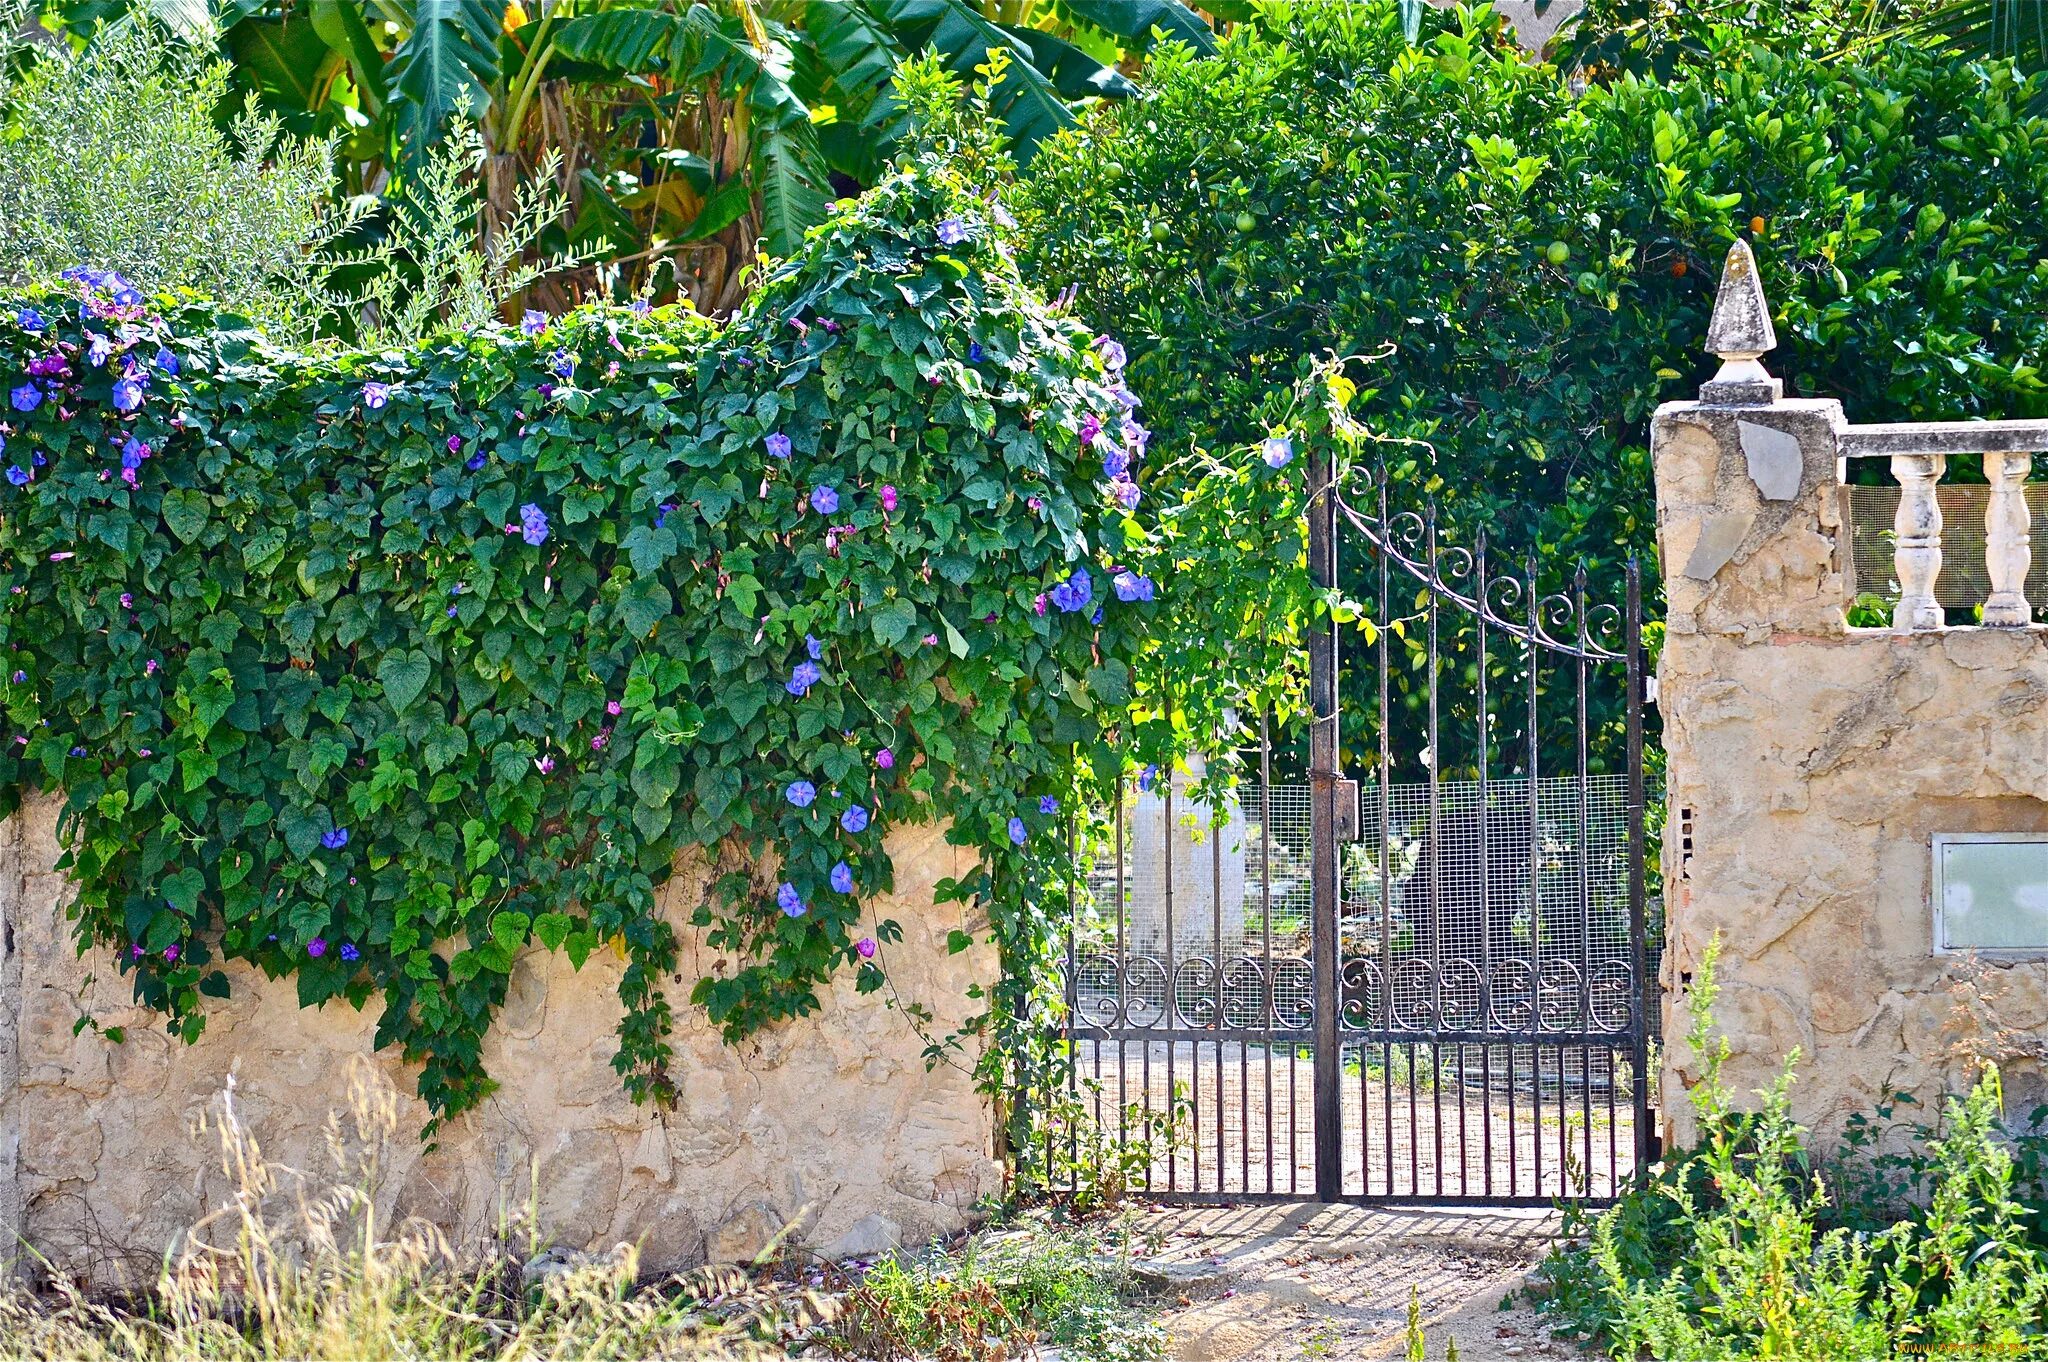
(297, 1266)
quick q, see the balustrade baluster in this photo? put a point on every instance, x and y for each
(1916, 552)
(2007, 540)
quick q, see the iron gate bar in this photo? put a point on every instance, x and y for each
(1325, 887)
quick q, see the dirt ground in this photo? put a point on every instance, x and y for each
(1296, 1282)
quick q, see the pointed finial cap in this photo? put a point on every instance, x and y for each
(1741, 326)
(1740, 332)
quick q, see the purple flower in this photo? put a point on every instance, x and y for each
(375, 395)
(889, 498)
(545, 765)
(317, 947)
(20, 677)
(613, 708)
(1048, 805)
(778, 445)
(127, 600)
(885, 759)
(1038, 603)
(824, 500)
(1110, 353)
(801, 793)
(78, 751)
(854, 819)
(135, 952)
(349, 952)
(1277, 451)
(127, 395)
(1091, 426)
(952, 232)
(533, 323)
(334, 839)
(801, 678)
(454, 444)
(170, 954)
(166, 361)
(1074, 593)
(30, 320)
(564, 366)
(813, 647)
(842, 878)
(1126, 493)
(865, 948)
(17, 475)
(26, 398)
(1017, 832)
(1116, 462)
(791, 902)
(98, 349)
(1146, 777)
(533, 524)
(599, 739)
(661, 516)
(1132, 587)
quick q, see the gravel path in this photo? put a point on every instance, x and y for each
(1298, 1282)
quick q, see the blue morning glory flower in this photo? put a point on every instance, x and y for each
(564, 365)
(133, 452)
(1126, 493)
(26, 398)
(1074, 593)
(1017, 832)
(1132, 587)
(778, 445)
(533, 323)
(1116, 462)
(127, 395)
(801, 678)
(791, 902)
(661, 516)
(1147, 777)
(99, 349)
(533, 524)
(842, 878)
(952, 232)
(1277, 451)
(128, 297)
(813, 647)
(801, 793)
(975, 353)
(476, 461)
(375, 395)
(334, 839)
(854, 819)
(1048, 805)
(1111, 354)
(17, 475)
(30, 319)
(166, 361)
(349, 952)
(824, 500)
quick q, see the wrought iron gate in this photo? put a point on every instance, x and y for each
(1429, 981)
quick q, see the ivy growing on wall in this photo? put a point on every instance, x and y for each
(374, 668)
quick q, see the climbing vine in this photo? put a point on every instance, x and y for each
(373, 668)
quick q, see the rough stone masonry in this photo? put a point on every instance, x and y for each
(1811, 763)
(830, 1127)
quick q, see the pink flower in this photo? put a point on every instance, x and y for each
(865, 948)
(889, 498)
(170, 953)
(149, 668)
(885, 759)
(1038, 603)
(597, 743)
(545, 765)
(611, 707)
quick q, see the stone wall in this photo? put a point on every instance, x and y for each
(832, 1123)
(1810, 765)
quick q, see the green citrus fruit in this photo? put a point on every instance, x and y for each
(1557, 253)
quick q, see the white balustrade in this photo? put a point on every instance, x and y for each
(2008, 536)
(1916, 550)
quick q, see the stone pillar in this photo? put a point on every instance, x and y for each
(1205, 847)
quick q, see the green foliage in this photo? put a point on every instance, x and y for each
(388, 663)
(112, 155)
(1539, 261)
(1733, 1251)
(1058, 1286)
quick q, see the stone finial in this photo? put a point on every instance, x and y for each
(1741, 334)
